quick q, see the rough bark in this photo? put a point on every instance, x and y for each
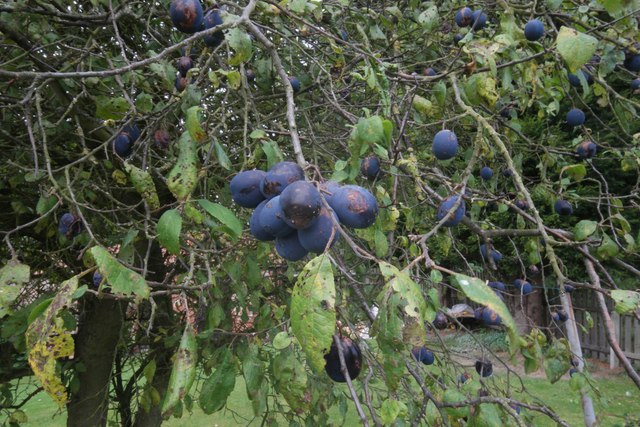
(98, 335)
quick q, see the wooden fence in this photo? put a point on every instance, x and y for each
(594, 341)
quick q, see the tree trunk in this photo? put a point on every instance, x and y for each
(98, 335)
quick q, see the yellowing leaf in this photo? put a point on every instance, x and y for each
(575, 48)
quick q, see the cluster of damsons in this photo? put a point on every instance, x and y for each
(293, 212)
(125, 140)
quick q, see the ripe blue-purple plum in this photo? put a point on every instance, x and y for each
(162, 139)
(185, 63)
(446, 205)
(490, 317)
(562, 207)
(181, 83)
(522, 204)
(352, 360)
(355, 206)
(440, 322)
(123, 145)
(484, 368)
(370, 167)
(213, 19)
(132, 130)
(278, 177)
(523, 287)
(343, 35)
(256, 228)
(568, 288)
(576, 117)
(457, 38)
(424, 355)
(97, 279)
(496, 255)
(301, 203)
(429, 72)
(463, 17)
(463, 378)
(272, 219)
(498, 286)
(445, 145)
(486, 173)
(186, 15)
(587, 149)
(507, 173)
(295, 84)
(245, 188)
(316, 237)
(516, 408)
(289, 247)
(573, 371)
(69, 225)
(477, 313)
(562, 315)
(574, 79)
(635, 84)
(632, 62)
(534, 30)
(478, 20)
(328, 189)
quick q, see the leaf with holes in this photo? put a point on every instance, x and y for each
(183, 373)
(183, 177)
(143, 183)
(313, 312)
(12, 276)
(626, 301)
(193, 124)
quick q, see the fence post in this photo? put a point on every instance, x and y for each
(613, 359)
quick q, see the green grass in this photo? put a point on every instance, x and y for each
(620, 399)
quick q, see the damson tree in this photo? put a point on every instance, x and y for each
(443, 149)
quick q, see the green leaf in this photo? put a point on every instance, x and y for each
(223, 159)
(313, 313)
(48, 340)
(217, 388)
(608, 248)
(144, 103)
(183, 178)
(121, 279)
(557, 360)
(143, 183)
(12, 276)
(575, 48)
(232, 224)
(169, 228)
(183, 372)
(576, 172)
(478, 291)
(272, 151)
(193, 124)
(390, 410)
(240, 42)
(370, 130)
(626, 301)
(429, 18)
(281, 341)
(584, 229)
(423, 106)
(108, 108)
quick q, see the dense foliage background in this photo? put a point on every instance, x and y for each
(190, 300)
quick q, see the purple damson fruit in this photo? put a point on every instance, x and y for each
(301, 203)
(186, 15)
(316, 237)
(352, 359)
(245, 188)
(289, 247)
(279, 176)
(355, 206)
